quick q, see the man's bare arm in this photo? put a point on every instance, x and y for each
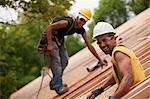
(125, 67)
(110, 82)
(91, 48)
(52, 27)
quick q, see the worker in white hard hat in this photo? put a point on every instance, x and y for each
(127, 69)
(54, 42)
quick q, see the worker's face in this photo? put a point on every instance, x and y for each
(80, 22)
(106, 43)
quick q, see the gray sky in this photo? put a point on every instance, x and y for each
(79, 4)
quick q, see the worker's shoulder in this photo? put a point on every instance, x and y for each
(121, 47)
(67, 18)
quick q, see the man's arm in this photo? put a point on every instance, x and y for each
(52, 27)
(91, 48)
(125, 68)
(110, 82)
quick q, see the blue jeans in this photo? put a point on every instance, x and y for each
(59, 62)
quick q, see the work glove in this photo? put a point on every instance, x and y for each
(95, 93)
(111, 97)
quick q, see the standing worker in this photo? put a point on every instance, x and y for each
(55, 33)
(127, 69)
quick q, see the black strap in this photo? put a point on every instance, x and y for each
(70, 26)
(60, 41)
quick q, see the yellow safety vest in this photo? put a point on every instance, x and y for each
(137, 69)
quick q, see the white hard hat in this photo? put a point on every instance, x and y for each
(103, 28)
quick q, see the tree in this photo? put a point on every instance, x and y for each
(117, 12)
(19, 61)
(73, 44)
(39, 9)
(138, 6)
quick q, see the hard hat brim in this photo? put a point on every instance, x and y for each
(103, 33)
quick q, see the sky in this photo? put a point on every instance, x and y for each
(79, 4)
(9, 14)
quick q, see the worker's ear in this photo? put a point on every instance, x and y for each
(115, 37)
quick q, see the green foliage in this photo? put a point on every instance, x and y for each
(73, 44)
(47, 10)
(138, 6)
(39, 9)
(90, 33)
(117, 12)
(108, 11)
(20, 62)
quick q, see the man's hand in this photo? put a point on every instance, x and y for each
(102, 63)
(95, 93)
(50, 50)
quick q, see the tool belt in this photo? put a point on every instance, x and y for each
(42, 46)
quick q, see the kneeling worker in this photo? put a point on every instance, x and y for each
(127, 69)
